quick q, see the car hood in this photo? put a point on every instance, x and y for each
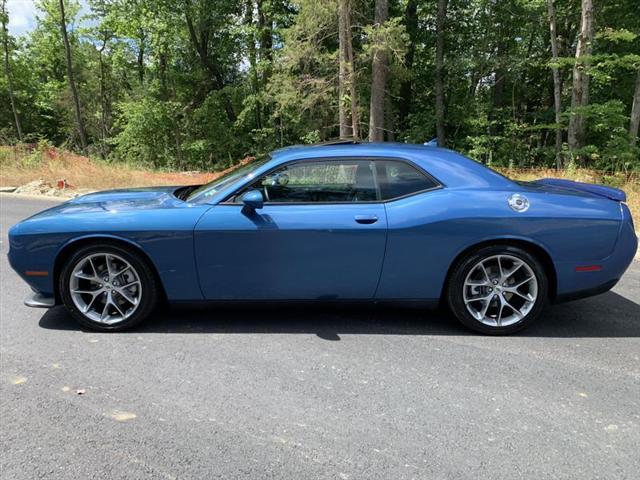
(136, 196)
(117, 201)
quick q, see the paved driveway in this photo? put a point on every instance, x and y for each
(318, 393)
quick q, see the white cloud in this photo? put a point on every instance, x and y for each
(22, 16)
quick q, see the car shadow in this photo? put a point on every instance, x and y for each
(607, 315)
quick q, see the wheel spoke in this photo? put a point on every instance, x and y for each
(513, 270)
(115, 304)
(105, 309)
(485, 307)
(88, 292)
(110, 268)
(126, 295)
(527, 297)
(486, 274)
(84, 276)
(93, 267)
(514, 309)
(499, 317)
(93, 299)
(500, 267)
(526, 280)
(478, 299)
(477, 283)
(117, 274)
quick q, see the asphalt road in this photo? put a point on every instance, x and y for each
(318, 392)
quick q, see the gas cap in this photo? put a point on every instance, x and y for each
(518, 203)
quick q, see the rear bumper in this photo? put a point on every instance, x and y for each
(39, 300)
(574, 281)
(589, 292)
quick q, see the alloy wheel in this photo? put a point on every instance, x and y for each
(105, 288)
(500, 290)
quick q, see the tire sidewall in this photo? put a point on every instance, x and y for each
(147, 279)
(455, 288)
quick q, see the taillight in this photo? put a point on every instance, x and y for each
(626, 214)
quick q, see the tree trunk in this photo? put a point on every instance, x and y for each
(349, 117)
(162, 71)
(343, 116)
(406, 88)
(353, 90)
(71, 78)
(500, 79)
(253, 62)
(7, 69)
(389, 119)
(379, 79)
(104, 132)
(210, 67)
(635, 113)
(265, 30)
(557, 85)
(580, 90)
(141, 57)
(441, 18)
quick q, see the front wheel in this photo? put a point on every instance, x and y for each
(497, 290)
(108, 288)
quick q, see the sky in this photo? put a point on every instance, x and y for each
(22, 15)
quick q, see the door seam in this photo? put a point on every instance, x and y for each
(384, 253)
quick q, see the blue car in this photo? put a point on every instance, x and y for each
(347, 221)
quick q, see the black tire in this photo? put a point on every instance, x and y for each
(456, 285)
(150, 288)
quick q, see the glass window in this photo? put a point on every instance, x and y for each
(397, 179)
(204, 192)
(321, 181)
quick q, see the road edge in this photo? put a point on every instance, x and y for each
(34, 197)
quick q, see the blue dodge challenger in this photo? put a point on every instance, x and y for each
(346, 221)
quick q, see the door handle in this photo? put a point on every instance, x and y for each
(366, 219)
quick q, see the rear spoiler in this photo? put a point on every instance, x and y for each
(600, 190)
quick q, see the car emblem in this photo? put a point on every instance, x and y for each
(518, 203)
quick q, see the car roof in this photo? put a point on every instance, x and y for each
(451, 168)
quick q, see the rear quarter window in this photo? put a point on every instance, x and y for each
(398, 179)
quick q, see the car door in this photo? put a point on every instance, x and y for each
(320, 235)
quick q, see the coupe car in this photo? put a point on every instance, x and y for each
(347, 221)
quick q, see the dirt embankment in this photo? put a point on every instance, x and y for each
(29, 170)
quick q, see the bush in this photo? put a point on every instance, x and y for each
(149, 133)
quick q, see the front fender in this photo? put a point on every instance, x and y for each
(165, 236)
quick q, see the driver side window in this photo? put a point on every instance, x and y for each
(320, 181)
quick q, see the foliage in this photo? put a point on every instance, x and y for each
(198, 84)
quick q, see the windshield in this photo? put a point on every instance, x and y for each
(203, 193)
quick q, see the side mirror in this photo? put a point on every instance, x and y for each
(253, 199)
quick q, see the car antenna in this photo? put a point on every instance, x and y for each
(432, 143)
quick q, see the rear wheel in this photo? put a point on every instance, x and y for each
(497, 290)
(108, 288)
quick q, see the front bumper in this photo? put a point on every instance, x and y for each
(39, 300)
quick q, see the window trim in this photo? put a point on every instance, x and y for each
(229, 199)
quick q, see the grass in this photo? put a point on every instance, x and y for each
(24, 163)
